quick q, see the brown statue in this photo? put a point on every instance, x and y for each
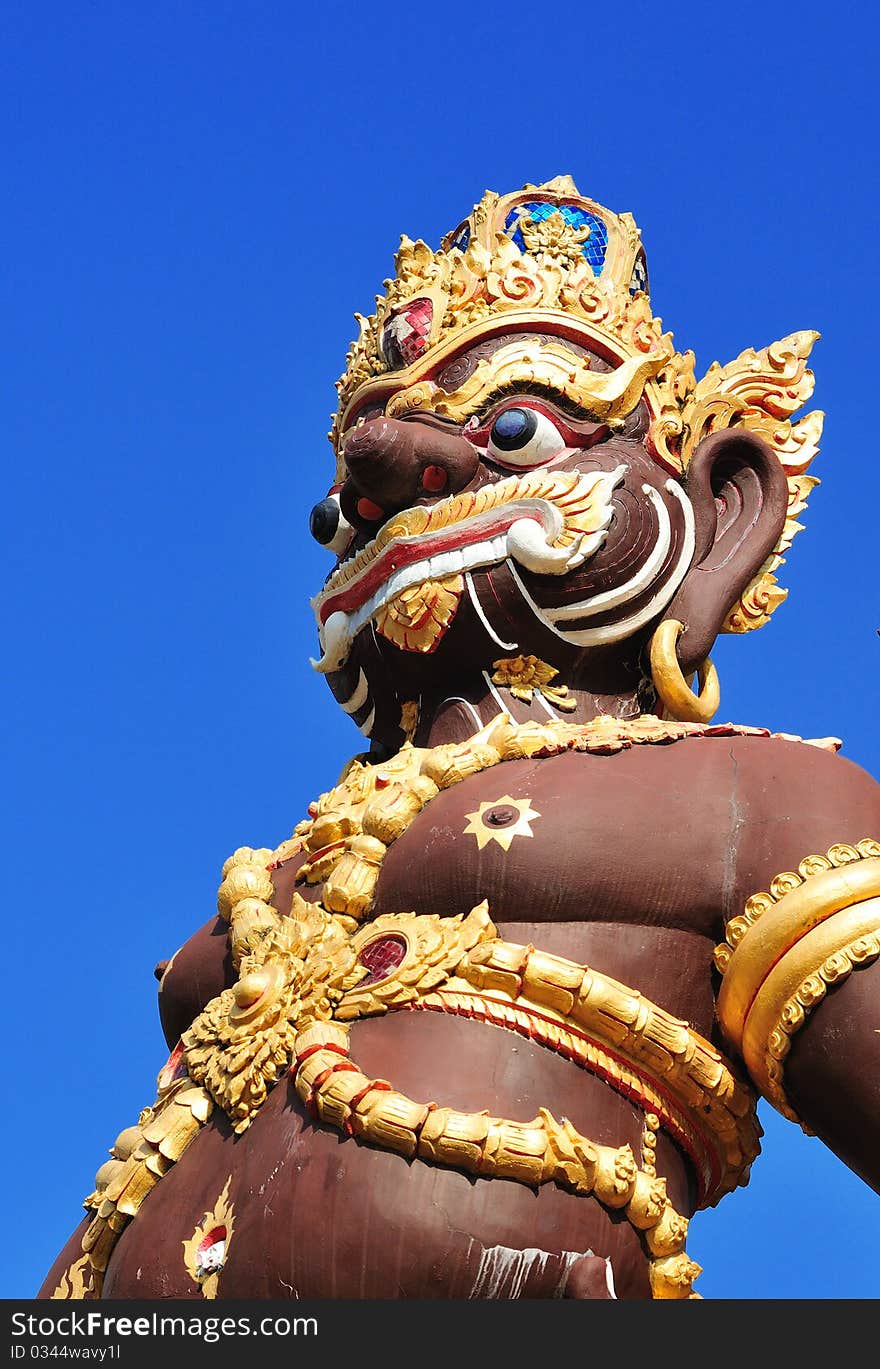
(493, 1022)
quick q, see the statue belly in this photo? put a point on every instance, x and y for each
(319, 1215)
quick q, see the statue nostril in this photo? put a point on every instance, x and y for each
(324, 520)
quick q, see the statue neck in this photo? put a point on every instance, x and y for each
(527, 695)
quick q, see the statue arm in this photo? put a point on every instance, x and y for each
(800, 991)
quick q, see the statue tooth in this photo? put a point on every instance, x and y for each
(444, 563)
(336, 642)
(397, 582)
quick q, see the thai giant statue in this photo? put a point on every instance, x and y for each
(493, 1022)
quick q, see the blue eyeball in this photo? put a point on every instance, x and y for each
(521, 436)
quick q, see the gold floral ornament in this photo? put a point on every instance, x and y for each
(417, 618)
(206, 1251)
(525, 676)
(501, 820)
(579, 271)
(243, 1040)
(79, 1281)
(553, 241)
(409, 718)
(140, 1156)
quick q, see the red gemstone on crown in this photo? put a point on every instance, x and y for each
(407, 333)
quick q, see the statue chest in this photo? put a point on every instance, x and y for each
(629, 838)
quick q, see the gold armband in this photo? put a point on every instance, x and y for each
(809, 931)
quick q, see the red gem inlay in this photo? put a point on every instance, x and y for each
(381, 957)
(407, 332)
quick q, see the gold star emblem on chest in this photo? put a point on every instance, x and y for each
(501, 820)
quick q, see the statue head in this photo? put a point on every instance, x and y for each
(531, 481)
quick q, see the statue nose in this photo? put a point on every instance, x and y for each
(395, 462)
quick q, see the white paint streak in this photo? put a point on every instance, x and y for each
(539, 699)
(456, 699)
(478, 607)
(503, 1270)
(494, 692)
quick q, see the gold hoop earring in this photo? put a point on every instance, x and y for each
(677, 697)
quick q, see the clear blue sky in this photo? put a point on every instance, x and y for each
(197, 196)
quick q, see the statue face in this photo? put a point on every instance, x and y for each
(527, 526)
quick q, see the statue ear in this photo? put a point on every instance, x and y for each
(739, 493)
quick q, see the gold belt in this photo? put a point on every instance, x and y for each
(311, 976)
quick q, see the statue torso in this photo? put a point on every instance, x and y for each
(626, 862)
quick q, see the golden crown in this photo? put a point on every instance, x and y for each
(546, 260)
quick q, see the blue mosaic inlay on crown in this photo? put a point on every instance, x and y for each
(594, 248)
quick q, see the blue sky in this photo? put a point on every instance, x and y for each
(197, 198)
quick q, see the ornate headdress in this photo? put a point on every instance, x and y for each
(545, 260)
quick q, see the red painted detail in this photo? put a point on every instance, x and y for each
(331, 1046)
(369, 510)
(217, 1233)
(434, 479)
(321, 1079)
(342, 1065)
(381, 957)
(174, 1067)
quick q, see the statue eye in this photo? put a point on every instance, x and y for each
(522, 436)
(329, 526)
